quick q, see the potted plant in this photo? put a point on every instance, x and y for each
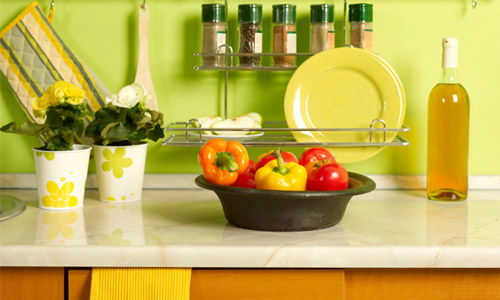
(61, 165)
(120, 130)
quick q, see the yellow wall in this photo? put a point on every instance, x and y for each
(408, 35)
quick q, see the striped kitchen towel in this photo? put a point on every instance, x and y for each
(140, 284)
(33, 56)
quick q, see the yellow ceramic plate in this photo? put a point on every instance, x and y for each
(344, 88)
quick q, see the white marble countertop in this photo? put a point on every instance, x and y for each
(187, 228)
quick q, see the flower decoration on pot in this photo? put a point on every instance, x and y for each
(61, 165)
(120, 130)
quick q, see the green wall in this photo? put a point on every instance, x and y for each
(408, 35)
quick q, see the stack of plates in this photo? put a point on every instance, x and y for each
(344, 88)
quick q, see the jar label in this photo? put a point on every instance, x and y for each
(258, 42)
(221, 40)
(291, 42)
(331, 39)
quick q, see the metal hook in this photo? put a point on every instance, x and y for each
(53, 3)
(474, 3)
(371, 127)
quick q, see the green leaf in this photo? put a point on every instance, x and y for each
(117, 133)
(124, 126)
(156, 134)
(138, 135)
(27, 128)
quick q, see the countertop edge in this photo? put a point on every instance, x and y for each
(188, 257)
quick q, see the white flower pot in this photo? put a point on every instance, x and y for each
(120, 172)
(61, 177)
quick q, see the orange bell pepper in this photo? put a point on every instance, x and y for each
(222, 161)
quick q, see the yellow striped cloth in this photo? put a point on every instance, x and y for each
(140, 284)
(33, 56)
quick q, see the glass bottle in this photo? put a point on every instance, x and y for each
(361, 22)
(322, 30)
(448, 132)
(250, 18)
(214, 33)
(284, 34)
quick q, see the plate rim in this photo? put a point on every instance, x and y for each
(289, 101)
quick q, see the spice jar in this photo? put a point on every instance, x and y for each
(284, 34)
(361, 21)
(322, 31)
(250, 18)
(214, 33)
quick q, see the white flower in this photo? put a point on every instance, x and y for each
(128, 96)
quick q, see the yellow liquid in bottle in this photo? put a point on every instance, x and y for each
(448, 143)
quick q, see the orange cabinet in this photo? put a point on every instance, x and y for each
(31, 283)
(276, 284)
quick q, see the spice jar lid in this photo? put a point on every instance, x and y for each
(284, 13)
(250, 13)
(322, 13)
(361, 12)
(213, 13)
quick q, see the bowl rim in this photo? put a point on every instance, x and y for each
(368, 185)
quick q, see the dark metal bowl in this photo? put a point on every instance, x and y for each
(270, 210)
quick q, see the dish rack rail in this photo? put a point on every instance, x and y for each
(277, 134)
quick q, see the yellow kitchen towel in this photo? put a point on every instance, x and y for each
(140, 283)
(33, 56)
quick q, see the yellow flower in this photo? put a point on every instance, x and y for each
(50, 96)
(75, 100)
(116, 161)
(72, 90)
(59, 223)
(59, 92)
(60, 198)
(41, 104)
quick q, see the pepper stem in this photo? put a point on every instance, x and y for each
(280, 168)
(225, 161)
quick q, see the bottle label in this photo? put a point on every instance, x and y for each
(221, 40)
(258, 42)
(291, 42)
(331, 39)
(368, 39)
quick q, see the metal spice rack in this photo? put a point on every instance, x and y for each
(273, 135)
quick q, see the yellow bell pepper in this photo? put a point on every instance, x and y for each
(276, 175)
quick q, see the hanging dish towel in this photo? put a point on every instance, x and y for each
(33, 56)
(140, 283)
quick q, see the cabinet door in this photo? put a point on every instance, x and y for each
(79, 284)
(31, 283)
(422, 284)
(276, 284)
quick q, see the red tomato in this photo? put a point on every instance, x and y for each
(265, 158)
(315, 154)
(329, 177)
